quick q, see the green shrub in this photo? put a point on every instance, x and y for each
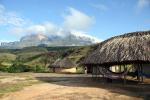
(40, 69)
(17, 68)
(32, 68)
(3, 68)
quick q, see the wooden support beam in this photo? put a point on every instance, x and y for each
(138, 72)
(124, 75)
(92, 71)
(96, 72)
(119, 68)
(141, 68)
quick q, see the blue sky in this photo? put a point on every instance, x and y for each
(97, 18)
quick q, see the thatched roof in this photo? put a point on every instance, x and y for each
(124, 49)
(63, 63)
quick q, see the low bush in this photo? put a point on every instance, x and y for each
(40, 69)
(17, 68)
(3, 68)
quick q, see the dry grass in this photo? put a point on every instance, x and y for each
(14, 83)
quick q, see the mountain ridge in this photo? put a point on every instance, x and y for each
(40, 39)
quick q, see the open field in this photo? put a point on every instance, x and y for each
(48, 86)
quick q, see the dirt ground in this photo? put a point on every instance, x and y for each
(76, 87)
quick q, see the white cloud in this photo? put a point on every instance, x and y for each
(77, 20)
(100, 7)
(51, 30)
(45, 28)
(36, 29)
(141, 4)
(10, 18)
(84, 34)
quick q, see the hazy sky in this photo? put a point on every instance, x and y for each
(98, 18)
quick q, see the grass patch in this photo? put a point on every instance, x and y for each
(7, 88)
(30, 78)
(1, 95)
(10, 88)
(2, 77)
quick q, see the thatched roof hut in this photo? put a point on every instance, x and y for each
(129, 48)
(63, 63)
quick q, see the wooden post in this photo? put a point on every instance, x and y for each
(141, 72)
(124, 81)
(124, 76)
(53, 69)
(92, 71)
(138, 73)
(120, 68)
(96, 72)
(103, 72)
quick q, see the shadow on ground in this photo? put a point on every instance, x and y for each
(131, 88)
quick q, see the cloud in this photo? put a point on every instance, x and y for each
(85, 34)
(44, 28)
(74, 20)
(101, 7)
(51, 30)
(8, 18)
(77, 20)
(141, 4)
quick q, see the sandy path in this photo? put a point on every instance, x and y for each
(75, 87)
(47, 91)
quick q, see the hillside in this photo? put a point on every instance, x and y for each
(7, 58)
(42, 56)
(78, 54)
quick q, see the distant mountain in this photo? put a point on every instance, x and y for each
(52, 40)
